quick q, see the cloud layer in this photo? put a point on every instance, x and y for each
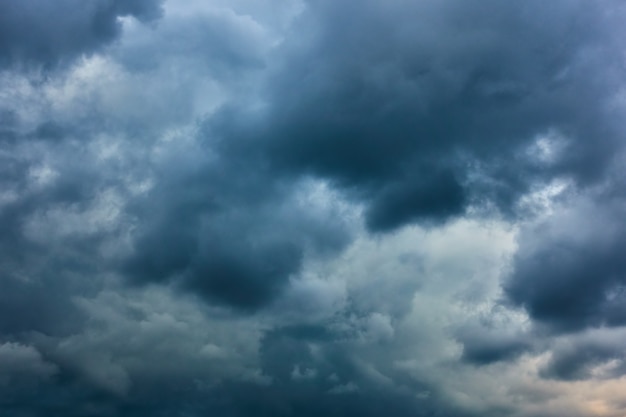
(311, 208)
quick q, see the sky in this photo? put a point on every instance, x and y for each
(277, 208)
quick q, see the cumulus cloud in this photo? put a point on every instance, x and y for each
(569, 271)
(288, 207)
(35, 32)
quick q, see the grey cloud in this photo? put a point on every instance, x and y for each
(440, 196)
(91, 368)
(416, 130)
(48, 33)
(576, 363)
(596, 354)
(282, 349)
(230, 233)
(27, 277)
(407, 118)
(53, 233)
(416, 112)
(483, 347)
(569, 270)
(18, 360)
(22, 371)
(218, 42)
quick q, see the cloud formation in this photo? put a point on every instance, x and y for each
(35, 32)
(405, 208)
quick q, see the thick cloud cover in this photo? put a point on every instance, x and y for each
(569, 271)
(289, 208)
(40, 32)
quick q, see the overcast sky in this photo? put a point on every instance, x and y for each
(306, 208)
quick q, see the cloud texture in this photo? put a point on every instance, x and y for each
(303, 208)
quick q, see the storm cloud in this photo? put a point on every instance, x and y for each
(36, 32)
(289, 207)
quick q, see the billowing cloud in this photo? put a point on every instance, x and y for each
(293, 207)
(37, 32)
(569, 271)
(451, 91)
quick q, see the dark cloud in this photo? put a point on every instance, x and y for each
(482, 347)
(339, 384)
(440, 196)
(46, 33)
(417, 130)
(576, 360)
(117, 174)
(229, 233)
(419, 123)
(569, 270)
(34, 272)
(295, 381)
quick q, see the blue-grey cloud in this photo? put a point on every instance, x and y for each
(44, 33)
(569, 271)
(170, 201)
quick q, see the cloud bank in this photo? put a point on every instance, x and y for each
(303, 208)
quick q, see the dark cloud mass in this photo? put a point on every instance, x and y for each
(48, 33)
(482, 347)
(410, 113)
(569, 271)
(576, 362)
(304, 208)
